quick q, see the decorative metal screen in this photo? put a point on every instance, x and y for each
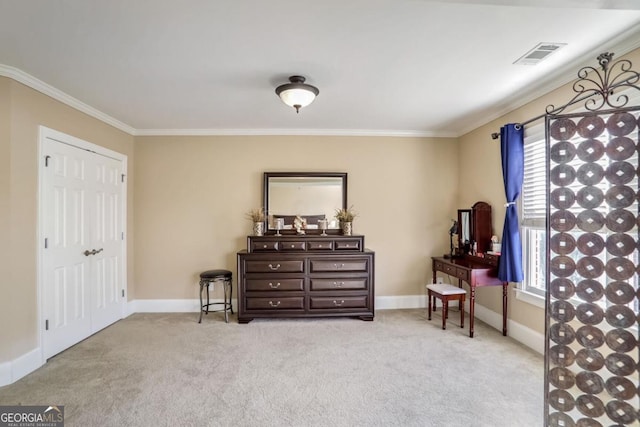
(593, 311)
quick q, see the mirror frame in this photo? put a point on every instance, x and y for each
(265, 194)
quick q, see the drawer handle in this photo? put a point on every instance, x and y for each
(338, 265)
(293, 246)
(338, 304)
(276, 286)
(338, 284)
(276, 304)
(264, 246)
(274, 268)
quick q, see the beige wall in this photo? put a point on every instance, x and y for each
(22, 114)
(192, 194)
(481, 179)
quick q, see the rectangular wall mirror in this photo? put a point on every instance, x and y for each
(311, 195)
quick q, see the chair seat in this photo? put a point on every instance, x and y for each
(444, 289)
(213, 274)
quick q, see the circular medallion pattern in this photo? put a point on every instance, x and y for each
(590, 244)
(620, 124)
(620, 292)
(562, 311)
(590, 220)
(590, 174)
(561, 378)
(590, 151)
(590, 359)
(589, 290)
(561, 355)
(620, 196)
(589, 382)
(561, 288)
(620, 173)
(590, 337)
(590, 267)
(589, 197)
(621, 412)
(621, 388)
(562, 243)
(562, 129)
(620, 220)
(562, 152)
(562, 198)
(562, 221)
(620, 148)
(589, 314)
(588, 422)
(562, 175)
(620, 244)
(620, 268)
(562, 333)
(621, 340)
(590, 405)
(560, 419)
(590, 126)
(562, 266)
(561, 400)
(620, 316)
(620, 364)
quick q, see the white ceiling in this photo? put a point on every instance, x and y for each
(395, 67)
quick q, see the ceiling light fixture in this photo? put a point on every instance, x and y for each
(297, 93)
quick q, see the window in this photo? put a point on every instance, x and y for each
(533, 211)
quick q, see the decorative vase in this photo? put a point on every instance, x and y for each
(346, 228)
(258, 228)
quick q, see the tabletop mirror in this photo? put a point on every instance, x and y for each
(311, 196)
(474, 226)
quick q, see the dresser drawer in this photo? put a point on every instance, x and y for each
(258, 285)
(293, 246)
(338, 284)
(275, 303)
(438, 266)
(320, 246)
(339, 265)
(264, 245)
(449, 269)
(280, 266)
(462, 273)
(344, 244)
(332, 303)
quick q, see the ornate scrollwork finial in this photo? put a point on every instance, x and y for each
(599, 88)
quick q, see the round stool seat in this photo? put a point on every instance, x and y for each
(214, 274)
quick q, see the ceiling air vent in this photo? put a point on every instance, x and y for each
(538, 53)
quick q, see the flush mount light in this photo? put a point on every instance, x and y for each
(297, 93)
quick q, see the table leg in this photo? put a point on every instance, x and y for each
(461, 308)
(504, 308)
(472, 307)
(445, 311)
(429, 304)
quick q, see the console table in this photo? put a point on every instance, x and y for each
(477, 272)
(305, 276)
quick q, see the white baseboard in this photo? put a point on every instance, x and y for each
(29, 362)
(12, 371)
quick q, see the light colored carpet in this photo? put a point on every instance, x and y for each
(400, 369)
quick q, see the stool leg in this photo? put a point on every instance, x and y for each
(231, 294)
(445, 311)
(201, 308)
(462, 312)
(225, 287)
(429, 304)
(208, 303)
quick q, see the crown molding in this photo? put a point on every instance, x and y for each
(293, 132)
(42, 87)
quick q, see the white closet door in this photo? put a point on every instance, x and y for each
(82, 270)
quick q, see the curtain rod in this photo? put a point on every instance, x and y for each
(496, 135)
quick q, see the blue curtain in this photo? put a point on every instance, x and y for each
(512, 153)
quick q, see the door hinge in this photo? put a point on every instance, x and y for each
(46, 325)
(122, 235)
(122, 177)
(123, 293)
(46, 242)
(46, 161)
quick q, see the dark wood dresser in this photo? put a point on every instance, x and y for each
(305, 276)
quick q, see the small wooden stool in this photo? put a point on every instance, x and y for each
(446, 293)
